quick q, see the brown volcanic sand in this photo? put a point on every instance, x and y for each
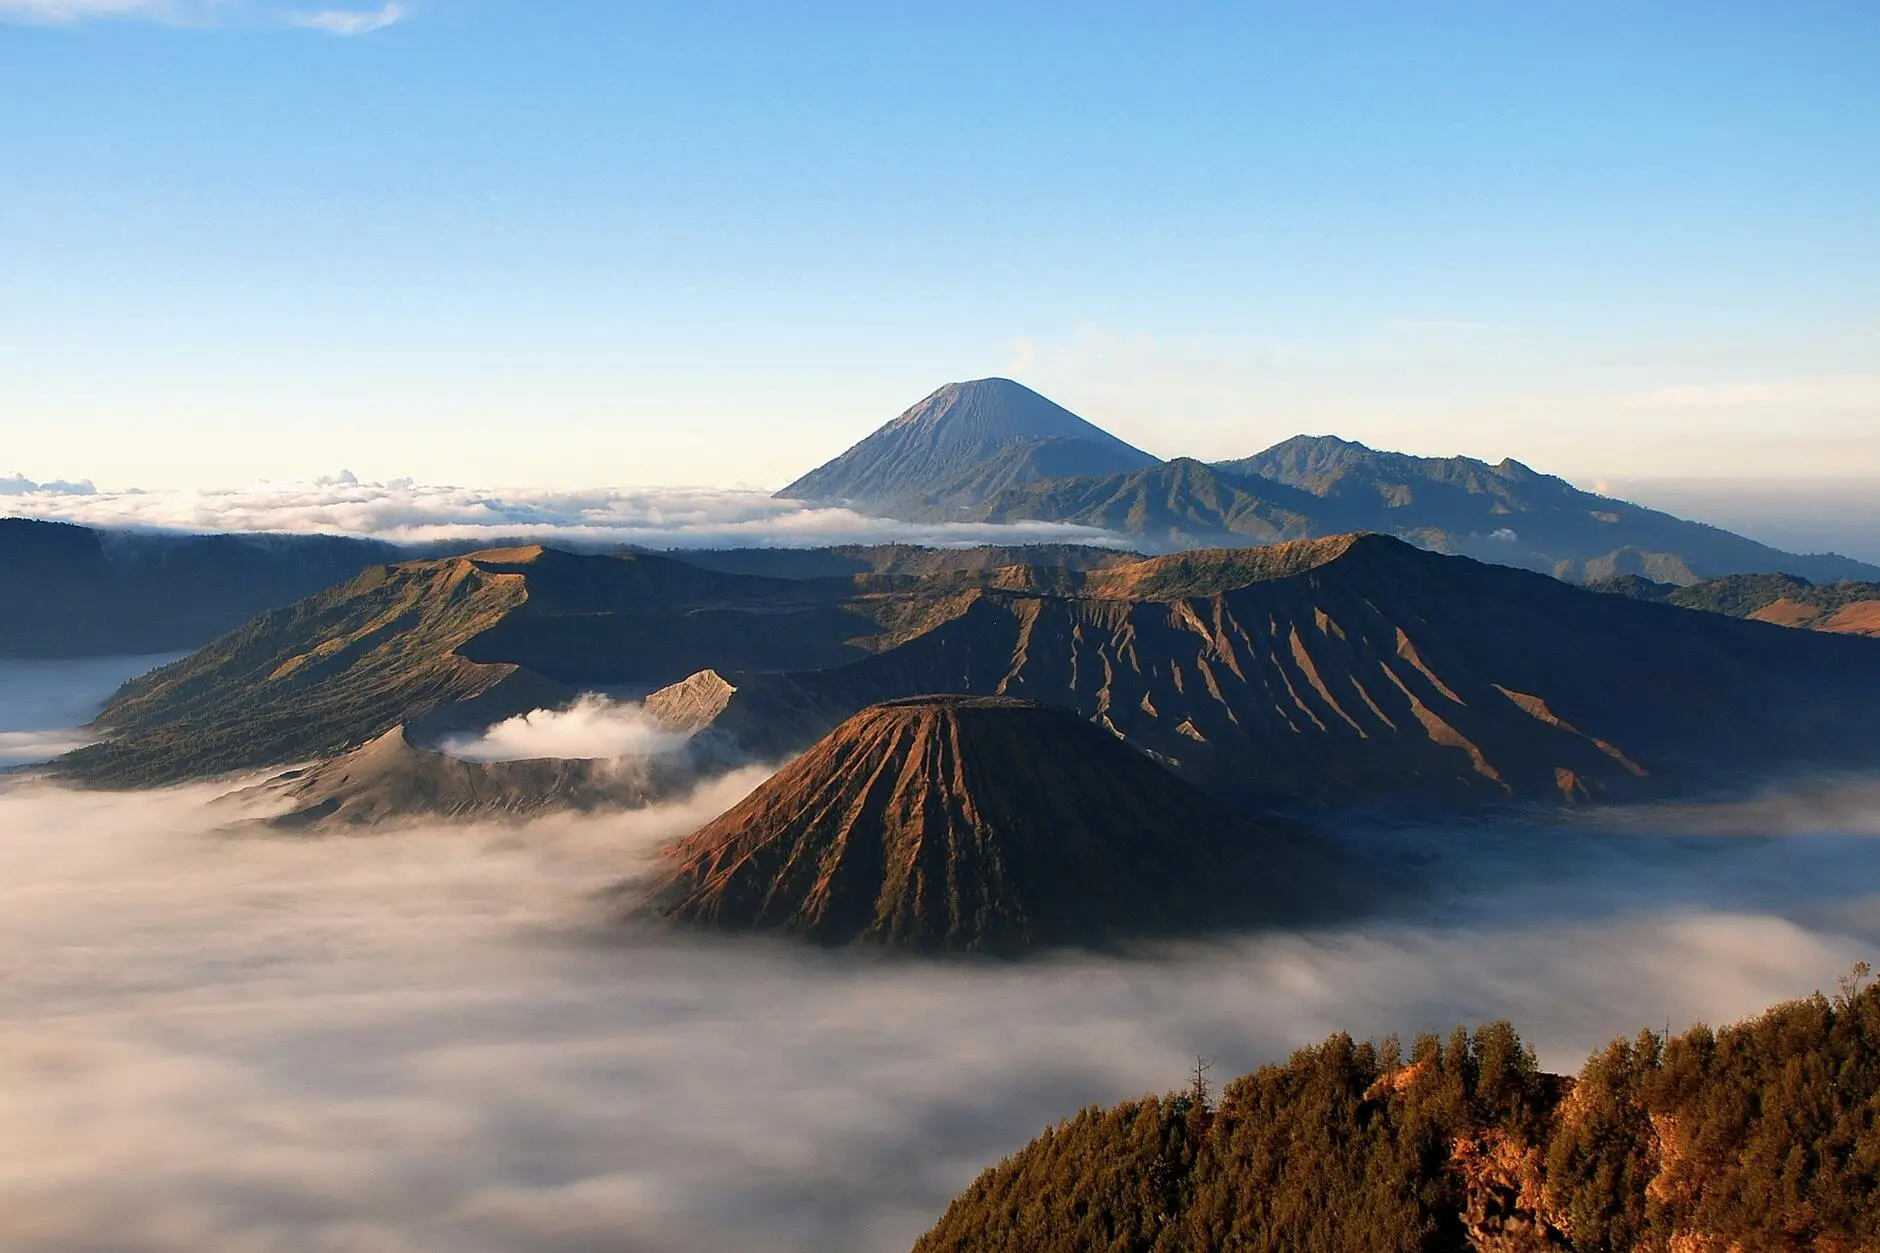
(984, 824)
(1862, 617)
(1786, 612)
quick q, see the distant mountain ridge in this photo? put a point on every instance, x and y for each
(1512, 514)
(1846, 608)
(970, 452)
(74, 591)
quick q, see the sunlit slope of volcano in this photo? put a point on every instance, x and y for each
(952, 823)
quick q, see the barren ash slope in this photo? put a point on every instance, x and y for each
(985, 824)
(1361, 667)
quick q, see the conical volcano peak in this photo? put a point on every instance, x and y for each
(962, 442)
(996, 409)
(986, 824)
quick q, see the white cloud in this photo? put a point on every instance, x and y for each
(593, 727)
(17, 484)
(204, 13)
(348, 21)
(656, 517)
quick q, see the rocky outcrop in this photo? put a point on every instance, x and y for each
(1505, 1207)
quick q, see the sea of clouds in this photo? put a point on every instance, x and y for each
(450, 1039)
(403, 511)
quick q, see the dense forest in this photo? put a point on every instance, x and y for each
(1760, 1136)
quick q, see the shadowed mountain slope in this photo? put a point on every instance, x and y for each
(1178, 503)
(455, 643)
(967, 824)
(390, 780)
(1363, 667)
(963, 443)
(72, 591)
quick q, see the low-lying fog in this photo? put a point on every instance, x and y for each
(441, 1040)
(44, 703)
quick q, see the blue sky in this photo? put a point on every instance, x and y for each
(553, 244)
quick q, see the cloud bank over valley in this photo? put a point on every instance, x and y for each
(447, 1037)
(406, 512)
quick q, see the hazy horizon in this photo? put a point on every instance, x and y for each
(1814, 516)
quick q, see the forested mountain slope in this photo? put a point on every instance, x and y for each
(1760, 1136)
